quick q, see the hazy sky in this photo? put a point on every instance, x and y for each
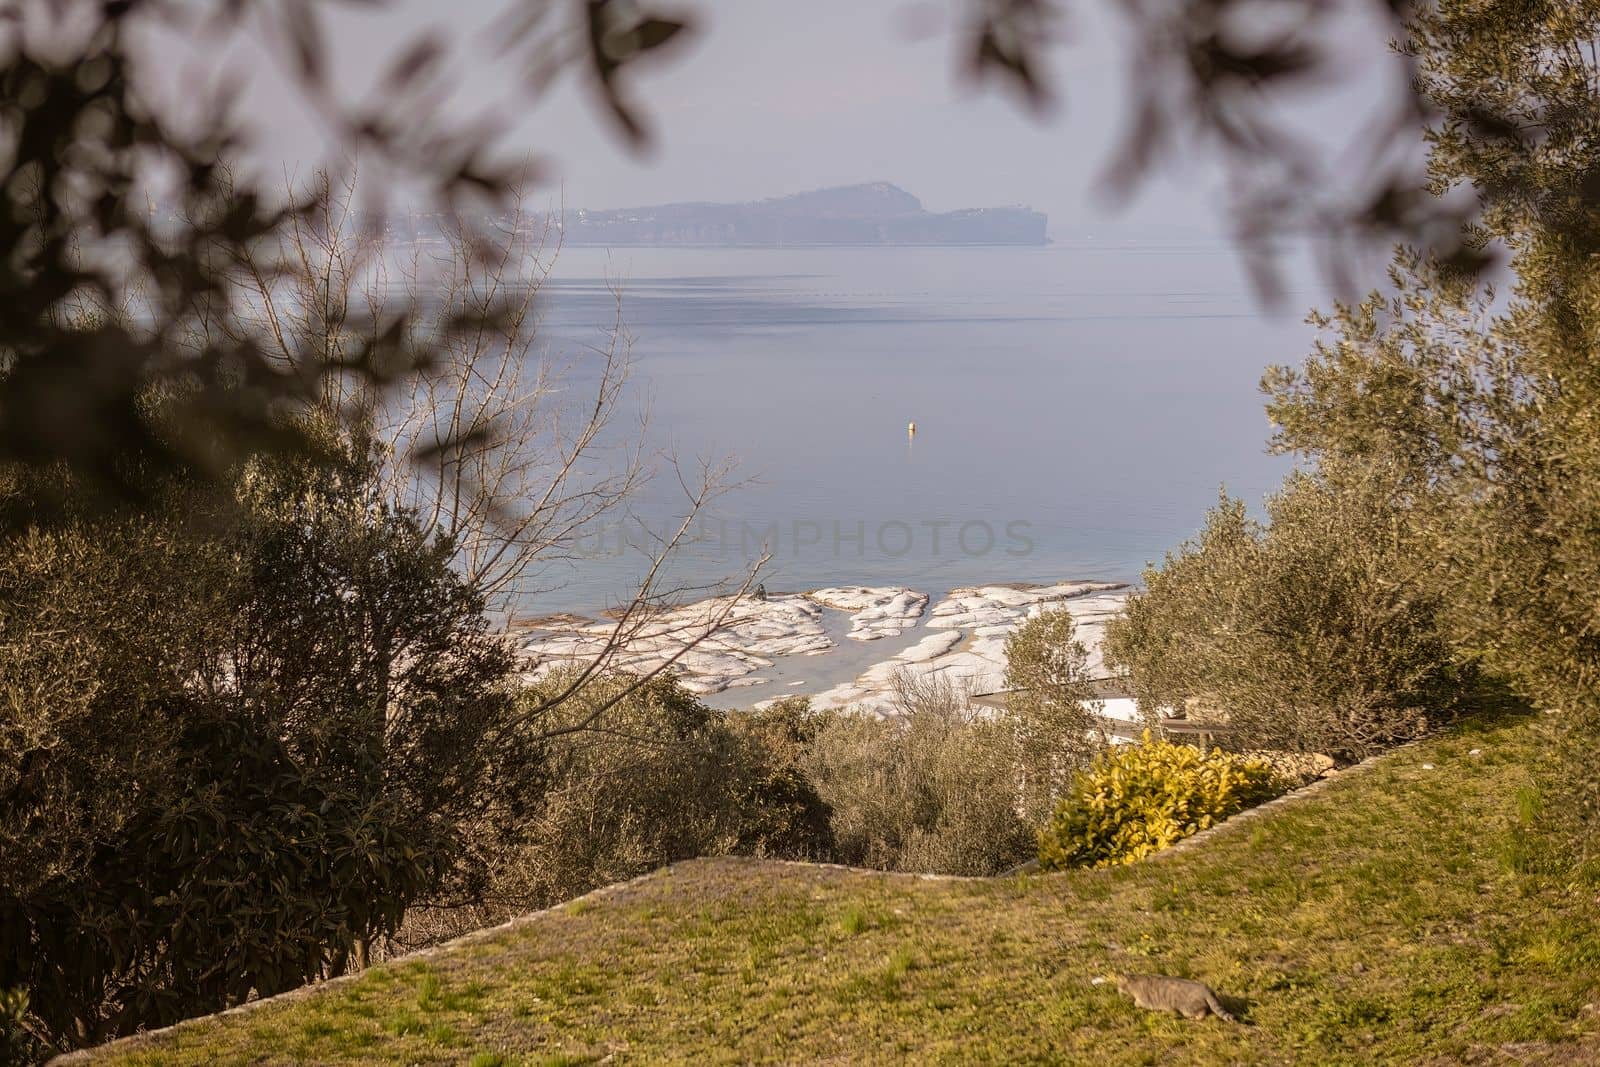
(780, 96)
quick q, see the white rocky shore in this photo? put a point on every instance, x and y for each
(961, 641)
(711, 657)
(878, 612)
(965, 645)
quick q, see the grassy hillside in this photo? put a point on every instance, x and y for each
(1393, 917)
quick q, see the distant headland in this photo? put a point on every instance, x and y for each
(876, 213)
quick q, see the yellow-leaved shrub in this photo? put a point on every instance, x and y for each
(1138, 799)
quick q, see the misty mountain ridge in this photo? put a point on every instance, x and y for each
(873, 213)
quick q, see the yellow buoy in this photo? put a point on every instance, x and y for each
(911, 429)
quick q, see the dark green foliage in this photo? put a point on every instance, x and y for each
(258, 876)
(237, 746)
(1313, 633)
(656, 779)
(782, 814)
(372, 654)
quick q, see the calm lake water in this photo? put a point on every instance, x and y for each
(1077, 406)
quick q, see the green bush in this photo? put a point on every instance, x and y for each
(1055, 731)
(658, 777)
(238, 744)
(655, 778)
(932, 789)
(781, 814)
(1139, 799)
(1318, 631)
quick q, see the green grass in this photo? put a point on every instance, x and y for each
(1400, 916)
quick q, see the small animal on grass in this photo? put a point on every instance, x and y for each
(1157, 992)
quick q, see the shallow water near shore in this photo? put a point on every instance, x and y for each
(1076, 407)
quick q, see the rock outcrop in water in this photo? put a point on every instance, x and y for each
(874, 214)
